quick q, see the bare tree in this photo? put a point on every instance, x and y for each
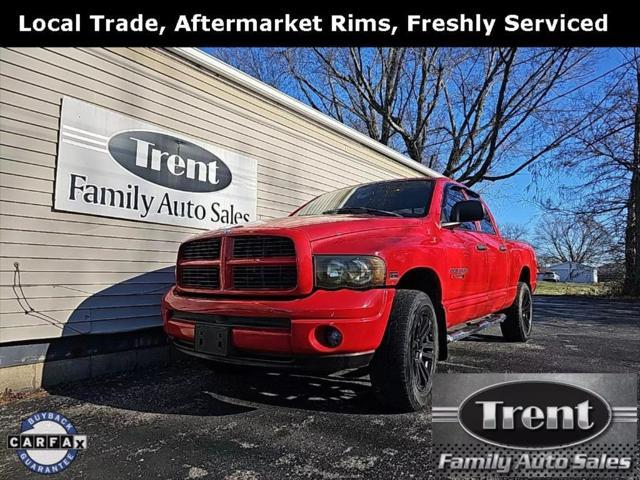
(632, 231)
(388, 93)
(514, 231)
(607, 154)
(501, 104)
(564, 238)
(475, 115)
(266, 64)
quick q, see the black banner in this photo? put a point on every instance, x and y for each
(388, 25)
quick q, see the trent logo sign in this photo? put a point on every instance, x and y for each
(116, 166)
(169, 161)
(533, 414)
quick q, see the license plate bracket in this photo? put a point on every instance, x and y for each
(212, 339)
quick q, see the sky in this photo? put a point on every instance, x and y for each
(511, 200)
(514, 200)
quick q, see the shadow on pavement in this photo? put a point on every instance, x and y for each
(190, 388)
(484, 337)
(338, 393)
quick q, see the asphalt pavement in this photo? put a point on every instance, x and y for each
(187, 422)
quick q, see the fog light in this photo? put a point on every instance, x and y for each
(329, 336)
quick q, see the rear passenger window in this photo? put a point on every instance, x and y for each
(451, 197)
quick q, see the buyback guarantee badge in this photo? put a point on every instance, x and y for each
(494, 426)
(48, 443)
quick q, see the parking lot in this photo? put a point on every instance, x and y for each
(187, 422)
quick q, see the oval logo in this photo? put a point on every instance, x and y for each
(534, 415)
(169, 161)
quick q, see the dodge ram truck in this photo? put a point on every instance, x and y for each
(382, 275)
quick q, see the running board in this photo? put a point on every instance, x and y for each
(475, 326)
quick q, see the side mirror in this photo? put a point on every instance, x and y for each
(466, 211)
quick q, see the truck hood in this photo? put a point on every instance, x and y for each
(320, 226)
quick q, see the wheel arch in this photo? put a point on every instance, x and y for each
(427, 280)
(525, 276)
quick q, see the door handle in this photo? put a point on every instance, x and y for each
(481, 247)
(503, 248)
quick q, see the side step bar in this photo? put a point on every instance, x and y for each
(475, 326)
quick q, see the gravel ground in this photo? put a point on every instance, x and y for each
(186, 422)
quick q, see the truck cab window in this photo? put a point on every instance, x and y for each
(486, 225)
(451, 197)
(402, 198)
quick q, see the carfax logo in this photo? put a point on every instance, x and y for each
(48, 443)
(522, 425)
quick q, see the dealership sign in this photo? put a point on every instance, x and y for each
(535, 425)
(116, 166)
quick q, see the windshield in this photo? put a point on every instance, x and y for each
(405, 198)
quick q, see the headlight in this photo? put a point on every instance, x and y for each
(348, 271)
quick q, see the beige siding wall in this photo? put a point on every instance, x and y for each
(85, 274)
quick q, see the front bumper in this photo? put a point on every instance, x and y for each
(284, 332)
(316, 363)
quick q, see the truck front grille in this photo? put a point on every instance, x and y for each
(242, 263)
(263, 246)
(205, 249)
(258, 277)
(200, 277)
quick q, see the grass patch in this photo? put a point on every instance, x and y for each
(562, 288)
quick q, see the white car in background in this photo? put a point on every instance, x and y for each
(548, 277)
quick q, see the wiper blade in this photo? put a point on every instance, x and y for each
(372, 211)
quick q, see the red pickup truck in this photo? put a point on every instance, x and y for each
(383, 274)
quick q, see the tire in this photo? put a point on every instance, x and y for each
(519, 322)
(403, 366)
